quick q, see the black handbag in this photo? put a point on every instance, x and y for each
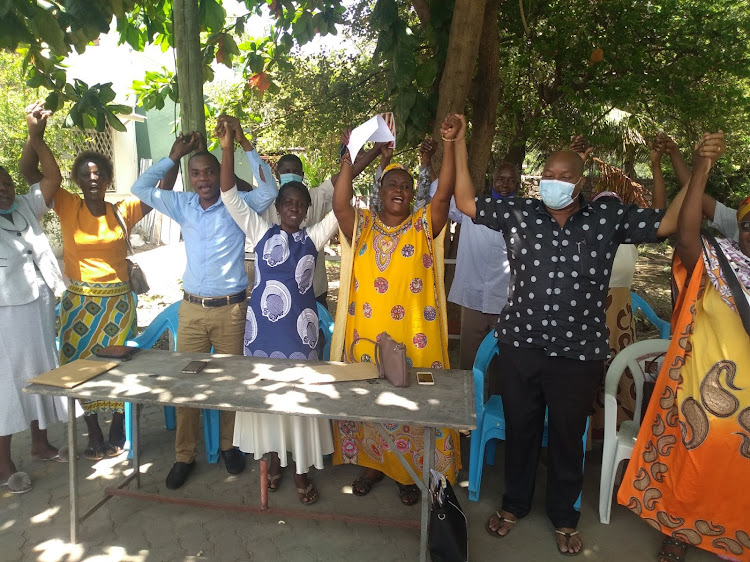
(447, 537)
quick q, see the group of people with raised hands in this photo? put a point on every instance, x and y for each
(544, 273)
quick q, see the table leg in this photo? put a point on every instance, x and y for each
(72, 470)
(423, 483)
(136, 444)
(427, 464)
(264, 482)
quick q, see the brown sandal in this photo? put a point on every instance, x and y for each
(274, 481)
(309, 495)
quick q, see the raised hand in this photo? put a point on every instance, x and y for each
(201, 142)
(344, 155)
(667, 143)
(184, 144)
(708, 150)
(226, 133)
(579, 145)
(453, 127)
(427, 151)
(656, 149)
(36, 119)
(386, 153)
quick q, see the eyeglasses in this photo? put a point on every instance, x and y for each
(744, 226)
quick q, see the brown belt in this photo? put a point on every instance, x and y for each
(213, 302)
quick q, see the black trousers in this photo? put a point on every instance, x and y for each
(532, 381)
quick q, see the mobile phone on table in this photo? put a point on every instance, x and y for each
(194, 367)
(425, 377)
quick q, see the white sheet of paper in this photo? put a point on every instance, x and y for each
(375, 129)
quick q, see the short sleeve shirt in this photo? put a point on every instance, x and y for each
(560, 275)
(94, 248)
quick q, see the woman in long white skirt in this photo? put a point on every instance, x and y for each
(29, 277)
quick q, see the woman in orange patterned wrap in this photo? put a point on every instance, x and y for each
(692, 455)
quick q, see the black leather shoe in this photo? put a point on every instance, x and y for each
(234, 459)
(179, 473)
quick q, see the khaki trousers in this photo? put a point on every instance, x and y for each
(475, 325)
(199, 329)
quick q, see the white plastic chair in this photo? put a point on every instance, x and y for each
(618, 444)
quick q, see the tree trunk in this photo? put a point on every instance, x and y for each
(463, 46)
(189, 68)
(485, 103)
(517, 149)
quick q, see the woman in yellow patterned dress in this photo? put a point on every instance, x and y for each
(392, 280)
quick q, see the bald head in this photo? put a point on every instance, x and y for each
(565, 159)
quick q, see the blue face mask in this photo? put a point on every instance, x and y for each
(556, 194)
(13, 207)
(496, 195)
(286, 178)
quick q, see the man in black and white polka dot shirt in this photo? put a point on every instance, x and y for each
(552, 334)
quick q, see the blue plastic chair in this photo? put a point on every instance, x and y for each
(639, 304)
(325, 323)
(491, 420)
(167, 321)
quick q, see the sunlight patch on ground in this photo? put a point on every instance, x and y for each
(117, 553)
(144, 469)
(56, 550)
(107, 468)
(45, 515)
(7, 525)
(347, 490)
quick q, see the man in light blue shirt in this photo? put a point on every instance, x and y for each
(214, 305)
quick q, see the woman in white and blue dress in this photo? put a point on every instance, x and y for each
(282, 320)
(29, 279)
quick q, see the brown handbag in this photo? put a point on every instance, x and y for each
(136, 276)
(390, 359)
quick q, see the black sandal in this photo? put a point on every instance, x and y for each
(363, 485)
(679, 550)
(95, 453)
(409, 494)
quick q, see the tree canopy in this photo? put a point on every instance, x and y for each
(528, 75)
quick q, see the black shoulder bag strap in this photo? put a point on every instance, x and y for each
(734, 285)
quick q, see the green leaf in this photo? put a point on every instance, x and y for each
(115, 122)
(384, 14)
(53, 101)
(403, 103)
(48, 29)
(211, 15)
(105, 93)
(427, 72)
